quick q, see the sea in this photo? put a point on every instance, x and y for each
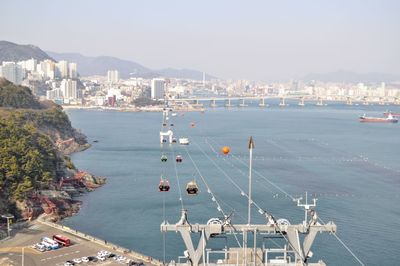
(352, 168)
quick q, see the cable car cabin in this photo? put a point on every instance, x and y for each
(164, 185)
(164, 158)
(178, 158)
(192, 188)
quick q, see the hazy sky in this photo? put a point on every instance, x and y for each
(231, 39)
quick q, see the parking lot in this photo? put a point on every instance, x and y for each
(21, 248)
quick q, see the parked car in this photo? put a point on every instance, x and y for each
(77, 260)
(93, 258)
(101, 258)
(85, 259)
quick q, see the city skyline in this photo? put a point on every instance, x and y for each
(259, 41)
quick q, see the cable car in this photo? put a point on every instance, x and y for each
(164, 158)
(178, 158)
(192, 188)
(164, 185)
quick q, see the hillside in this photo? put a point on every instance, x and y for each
(15, 52)
(35, 139)
(99, 65)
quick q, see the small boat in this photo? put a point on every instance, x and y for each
(171, 125)
(174, 114)
(174, 140)
(178, 158)
(193, 124)
(95, 141)
(370, 119)
(164, 158)
(184, 141)
(164, 185)
(192, 188)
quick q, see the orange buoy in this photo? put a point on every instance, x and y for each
(225, 150)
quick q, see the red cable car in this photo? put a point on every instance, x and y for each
(164, 185)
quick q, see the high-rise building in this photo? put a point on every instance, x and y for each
(62, 69)
(54, 94)
(28, 65)
(112, 76)
(13, 72)
(157, 88)
(69, 89)
(47, 69)
(73, 72)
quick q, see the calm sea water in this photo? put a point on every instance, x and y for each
(353, 168)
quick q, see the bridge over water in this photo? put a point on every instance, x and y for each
(240, 101)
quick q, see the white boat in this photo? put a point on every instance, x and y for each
(184, 141)
(174, 114)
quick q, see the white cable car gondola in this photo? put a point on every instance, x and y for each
(192, 188)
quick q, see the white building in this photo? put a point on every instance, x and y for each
(73, 70)
(112, 76)
(62, 69)
(69, 89)
(157, 88)
(46, 68)
(54, 94)
(28, 65)
(13, 72)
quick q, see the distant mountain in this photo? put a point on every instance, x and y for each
(15, 52)
(99, 65)
(349, 76)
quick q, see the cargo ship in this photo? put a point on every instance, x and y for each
(370, 119)
(386, 114)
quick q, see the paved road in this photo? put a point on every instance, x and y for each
(11, 250)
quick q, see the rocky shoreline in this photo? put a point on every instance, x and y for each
(60, 200)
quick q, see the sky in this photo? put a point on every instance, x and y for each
(258, 40)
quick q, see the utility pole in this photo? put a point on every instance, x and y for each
(251, 147)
